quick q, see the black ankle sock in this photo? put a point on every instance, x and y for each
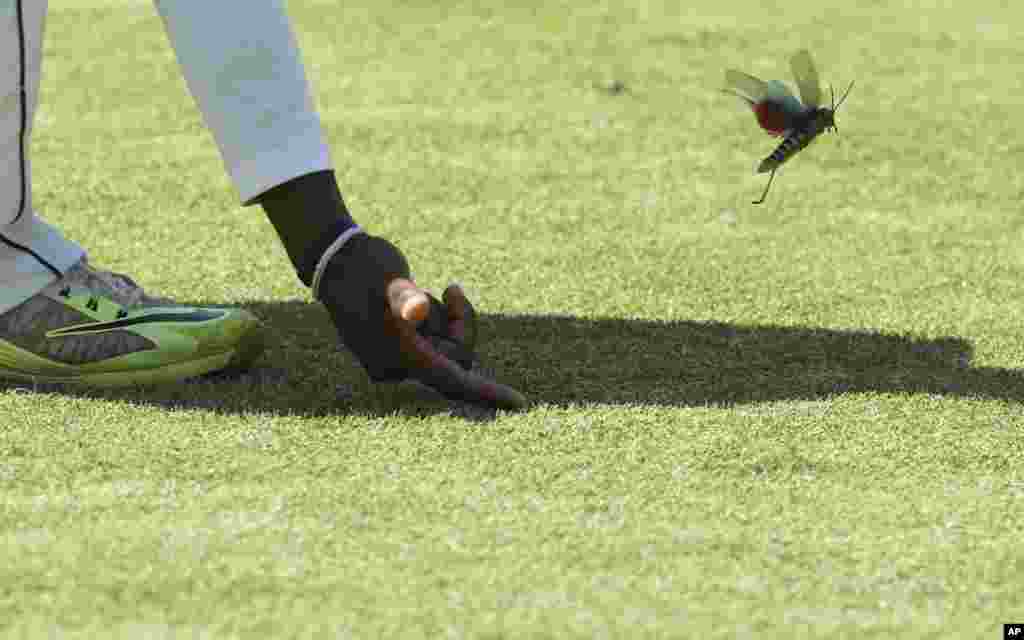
(309, 214)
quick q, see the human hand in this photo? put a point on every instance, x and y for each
(398, 331)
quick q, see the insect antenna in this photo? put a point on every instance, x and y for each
(835, 105)
(832, 90)
(844, 96)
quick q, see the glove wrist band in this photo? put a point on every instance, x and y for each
(334, 248)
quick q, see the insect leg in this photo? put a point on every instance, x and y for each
(766, 187)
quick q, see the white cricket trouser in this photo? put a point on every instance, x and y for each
(241, 63)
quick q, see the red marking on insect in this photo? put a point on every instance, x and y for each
(771, 118)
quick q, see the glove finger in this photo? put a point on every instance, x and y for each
(461, 316)
(430, 366)
(456, 383)
(436, 323)
(436, 329)
(407, 301)
(453, 350)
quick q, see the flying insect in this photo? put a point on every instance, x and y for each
(782, 114)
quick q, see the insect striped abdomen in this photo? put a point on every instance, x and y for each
(793, 144)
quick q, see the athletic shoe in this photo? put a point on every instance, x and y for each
(99, 328)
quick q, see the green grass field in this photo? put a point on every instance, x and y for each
(797, 420)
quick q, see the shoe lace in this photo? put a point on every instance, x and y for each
(117, 286)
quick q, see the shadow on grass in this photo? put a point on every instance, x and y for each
(563, 360)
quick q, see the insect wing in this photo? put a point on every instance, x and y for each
(807, 78)
(746, 86)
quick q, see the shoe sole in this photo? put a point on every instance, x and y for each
(140, 377)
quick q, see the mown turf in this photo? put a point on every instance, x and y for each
(801, 419)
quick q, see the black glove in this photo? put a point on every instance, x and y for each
(397, 331)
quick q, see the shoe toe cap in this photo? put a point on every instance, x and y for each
(243, 334)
